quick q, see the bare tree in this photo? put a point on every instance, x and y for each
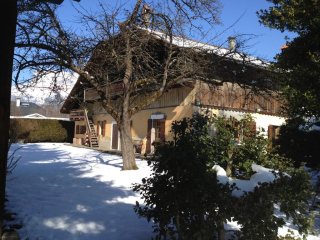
(144, 50)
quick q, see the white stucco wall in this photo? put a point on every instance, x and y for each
(262, 120)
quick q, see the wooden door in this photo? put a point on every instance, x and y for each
(115, 136)
(159, 127)
(157, 131)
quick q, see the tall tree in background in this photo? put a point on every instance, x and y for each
(300, 60)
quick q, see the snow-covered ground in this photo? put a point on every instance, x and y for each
(63, 192)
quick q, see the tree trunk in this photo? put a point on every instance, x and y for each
(229, 168)
(9, 9)
(229, 163)
(221, 231)
(129, 161)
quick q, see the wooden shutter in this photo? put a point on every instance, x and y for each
(162, 131)
(114, 136)
(77, 129)
(104, 128)
(98, 128)
(271, 134)
(148, 147)
(252, 129)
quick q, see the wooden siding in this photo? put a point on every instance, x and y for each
(91, 94)
(183, 96)
(232, 97)
(175, 97)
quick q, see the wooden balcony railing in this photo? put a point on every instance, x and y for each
(77, 115)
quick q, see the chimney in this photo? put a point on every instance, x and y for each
(18, 101)
(146, 16)
(232, 43)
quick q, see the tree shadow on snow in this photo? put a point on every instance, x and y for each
(56, 197)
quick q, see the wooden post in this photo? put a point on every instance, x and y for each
(9, 9)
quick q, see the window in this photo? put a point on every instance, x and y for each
(80, 129)
(158, 129)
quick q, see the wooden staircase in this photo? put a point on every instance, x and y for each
(93, 139)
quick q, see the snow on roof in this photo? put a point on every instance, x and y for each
(221, 51)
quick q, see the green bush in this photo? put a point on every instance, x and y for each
(42, 130)
(185, 200)
(300, 145)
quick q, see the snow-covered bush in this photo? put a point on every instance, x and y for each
(187, 199)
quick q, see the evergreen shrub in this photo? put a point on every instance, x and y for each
(298, 143)
(185, 200)
(43, 130)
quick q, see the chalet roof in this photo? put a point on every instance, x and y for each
(218, 50)
(180, 42)
(69, 102)
(39, 116)
(284, 47)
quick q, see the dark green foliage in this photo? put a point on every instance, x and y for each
(185, 201)
(300, 145)
(14, 131)
(300, 62)
(252, 147)
(255, 209)
(43, 130)
(178, 192)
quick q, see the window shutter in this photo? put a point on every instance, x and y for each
(98, 128)
(104, 127)
(251, 131)
(162, 131)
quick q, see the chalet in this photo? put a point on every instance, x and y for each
(22, 109)
(153, 123)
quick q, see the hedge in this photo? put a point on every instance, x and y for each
(41, 130)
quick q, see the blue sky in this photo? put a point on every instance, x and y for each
(266, 44)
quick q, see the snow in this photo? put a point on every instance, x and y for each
(64, 192)
(220, 51)
(49, 88)
(262, 175)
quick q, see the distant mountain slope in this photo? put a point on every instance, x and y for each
(51, 89)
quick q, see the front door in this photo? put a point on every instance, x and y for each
(155, 133)
(114, 136)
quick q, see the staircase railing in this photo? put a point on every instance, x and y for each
(88, 126)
